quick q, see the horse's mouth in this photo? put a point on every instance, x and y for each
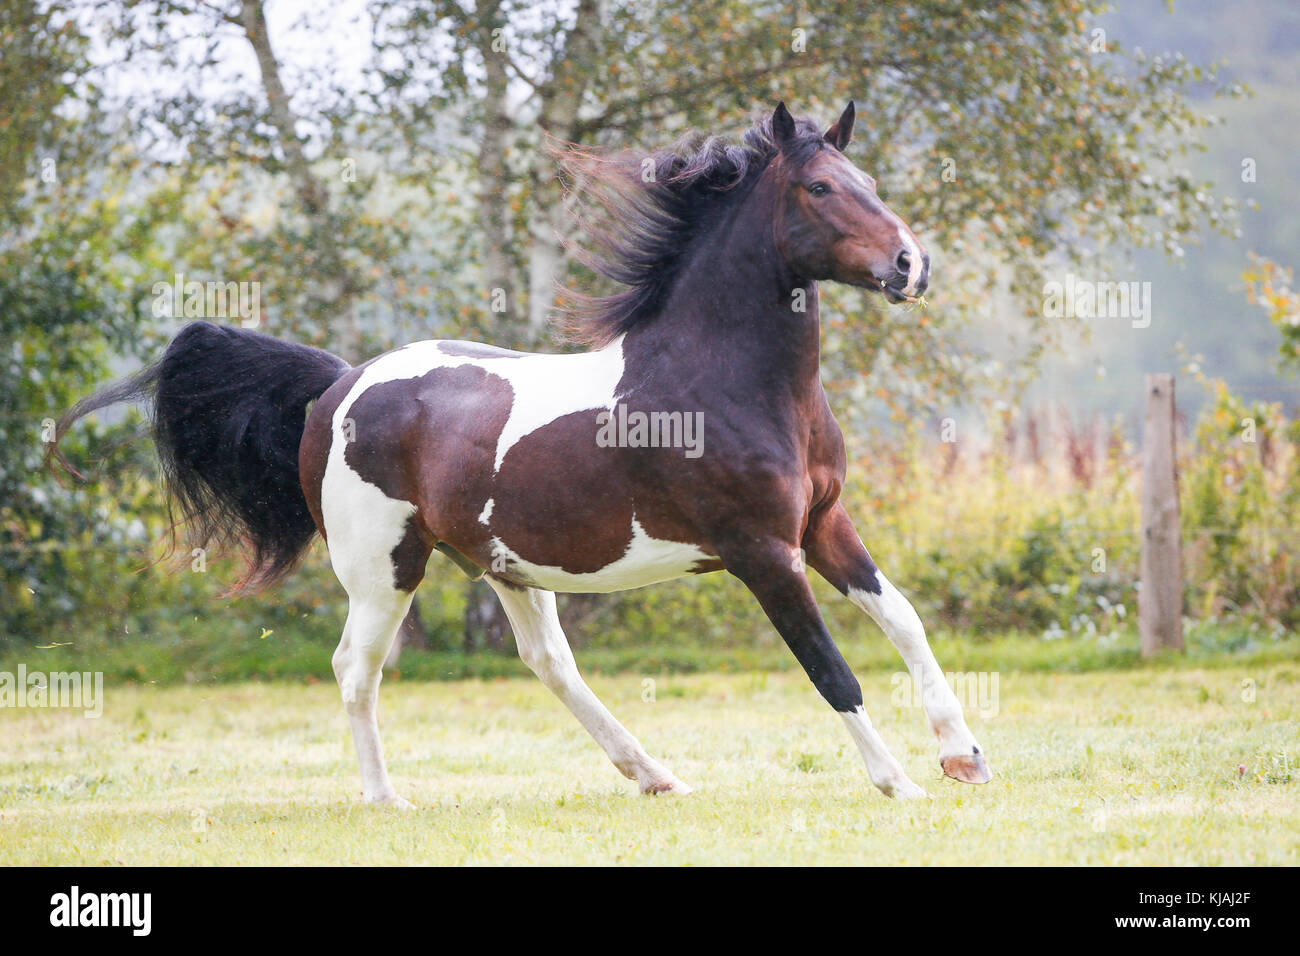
(895, 294)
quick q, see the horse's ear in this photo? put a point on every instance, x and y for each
(841, 133)
(782, 125)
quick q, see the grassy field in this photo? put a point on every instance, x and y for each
(1156, 765)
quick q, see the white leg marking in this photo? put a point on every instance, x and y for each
(885, 772)
(901, 624)
(545, 649)
(358, 665)
(363, 526)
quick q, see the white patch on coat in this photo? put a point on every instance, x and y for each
(362, 525)
(545, 387)
(646, 561)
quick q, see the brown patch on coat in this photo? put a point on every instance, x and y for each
(432, 441)
(411, 555)
(561, 500)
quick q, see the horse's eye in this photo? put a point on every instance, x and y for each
(819, 189)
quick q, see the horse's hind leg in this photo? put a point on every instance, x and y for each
(379, 555)
(374, 615)
(545, 649)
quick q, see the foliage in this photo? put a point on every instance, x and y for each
(1241, 513)
(949, 523)
(1012, 141)
(65, 309)
(1268, 286)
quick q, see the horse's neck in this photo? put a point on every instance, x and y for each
(737, 299)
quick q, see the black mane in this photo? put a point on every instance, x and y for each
(643, 232)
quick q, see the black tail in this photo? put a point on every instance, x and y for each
(228, 408)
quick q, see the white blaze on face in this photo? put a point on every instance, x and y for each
(915, 258)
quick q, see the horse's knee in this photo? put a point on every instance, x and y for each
(358, 668)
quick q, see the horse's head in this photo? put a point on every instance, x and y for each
(830, 224)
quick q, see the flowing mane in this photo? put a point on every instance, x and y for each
(641, 214)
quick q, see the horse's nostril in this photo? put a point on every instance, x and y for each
(903, 262)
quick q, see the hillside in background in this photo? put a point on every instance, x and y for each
(1198, 303)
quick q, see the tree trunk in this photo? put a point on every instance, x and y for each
(313, 196)
(544, 258)
(494, 172)
(561, 98)
(486, 625)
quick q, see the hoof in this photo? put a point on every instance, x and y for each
(968, 768)
(904, 790)
(390, 801)
(671, 785)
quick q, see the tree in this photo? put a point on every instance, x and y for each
(66, 305)
(1015, 140)
(1270, 287)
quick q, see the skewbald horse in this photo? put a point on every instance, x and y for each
(493, 457)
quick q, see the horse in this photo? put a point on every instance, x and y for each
(538, 472)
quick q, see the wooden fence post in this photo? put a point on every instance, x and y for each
(1160, 599)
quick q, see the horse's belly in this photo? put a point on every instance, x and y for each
(646, 561)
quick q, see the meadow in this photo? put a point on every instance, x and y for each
(1177, 762)
(223, 740)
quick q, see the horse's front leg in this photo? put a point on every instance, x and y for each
(837, 553)
(773, 572)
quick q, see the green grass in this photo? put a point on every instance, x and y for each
(1139, 766)
(208, 653)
